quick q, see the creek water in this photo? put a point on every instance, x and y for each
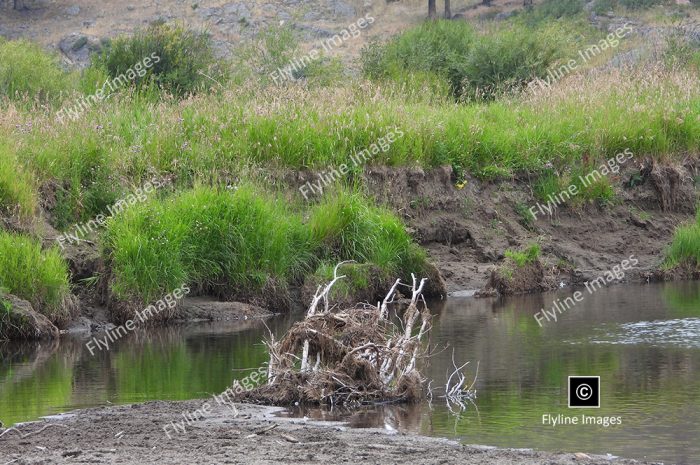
(642, 340)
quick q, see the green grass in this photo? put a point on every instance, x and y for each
(128, 140)
(220, 242)
(28, 73)
(237, 243)
(36, 275)
(347, 227)
(18, 193)
(476, 65)
(524, 257)
(685, 248)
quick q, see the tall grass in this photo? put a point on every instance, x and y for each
(347, 227)
(220, 242)
(685, 248)
(235, 244)
(36, 275)
(28, 73)
(129, 138)
(18, 192)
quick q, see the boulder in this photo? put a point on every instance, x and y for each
(18, 320)
(78, 47)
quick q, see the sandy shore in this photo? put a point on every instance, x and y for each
(134, 434)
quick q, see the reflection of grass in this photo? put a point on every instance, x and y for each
(42, 393)
(683, 299)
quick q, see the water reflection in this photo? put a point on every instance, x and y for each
(173, 363)
(642, 340)
(653, 386)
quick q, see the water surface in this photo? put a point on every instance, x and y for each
(643, 341)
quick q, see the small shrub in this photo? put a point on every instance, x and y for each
(555, 9)
(640, 4)
(36, 275)
(274, 48)
(180, 57)
(527, 219)
(475, 65)
(603, 6)
(500, 62)
(28, 72)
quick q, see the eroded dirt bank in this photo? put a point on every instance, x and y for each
(134, 435)
(467, 230)
(466, 226)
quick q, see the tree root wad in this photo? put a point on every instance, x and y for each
(345, 357)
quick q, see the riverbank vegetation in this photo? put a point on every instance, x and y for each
(685, 248)
(240, 244)
(222, 134)
(39, 276)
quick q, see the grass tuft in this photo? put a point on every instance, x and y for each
(36, 275)
(685, 248)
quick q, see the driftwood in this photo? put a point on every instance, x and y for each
(351, 356)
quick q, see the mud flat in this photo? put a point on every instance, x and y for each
(134, 434)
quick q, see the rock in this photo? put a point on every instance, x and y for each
(73, 10)
(312, 32)
(342, 9)
(203, 308)
(20, 321)
(78, 47)
(502, 16)
(71, 42)
(239, 10)
(211, 12)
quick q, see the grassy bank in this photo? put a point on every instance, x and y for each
(582, 122)
(222, 133)
(446, 92)
(246, 245)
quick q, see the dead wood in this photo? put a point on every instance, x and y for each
(349, 356)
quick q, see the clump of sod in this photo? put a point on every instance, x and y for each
(35, 275)
(222, 243)
(247, 245)
(346, 226)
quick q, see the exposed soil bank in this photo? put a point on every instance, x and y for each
(467, 229)
(134, 435)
